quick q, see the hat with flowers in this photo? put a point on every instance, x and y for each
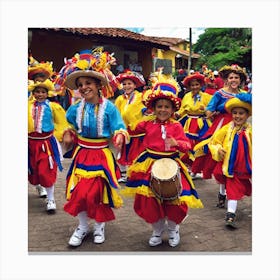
(234, 68)
(35, 67)
(136, 77)
(165, 88)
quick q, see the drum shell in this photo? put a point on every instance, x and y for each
(166, 189)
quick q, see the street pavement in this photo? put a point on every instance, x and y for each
(202, 232)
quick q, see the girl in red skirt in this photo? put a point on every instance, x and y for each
(131, 108)
(44, 152)
(164, 138)
(92, 180)
(231, 147)
(192, 116)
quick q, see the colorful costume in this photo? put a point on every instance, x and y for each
(44, 151)
(217, 103)
(146, 204)
(235, 170)
(231, 147)
(131, 109)
(92, 179)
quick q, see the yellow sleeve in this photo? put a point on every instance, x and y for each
(184, 105)
(217, 141)
(59, 118)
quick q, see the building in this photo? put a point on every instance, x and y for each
(132, 50)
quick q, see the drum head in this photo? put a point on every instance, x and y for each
(164, 168)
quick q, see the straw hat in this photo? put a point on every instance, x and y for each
(234, 68)
(87, 63)
(237, 103)
(47, 84)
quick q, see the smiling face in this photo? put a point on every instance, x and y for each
(163, 109)
(40, 94)
(239, 115)
(233, 82)
(128, 86)
(89, 88)
(195, 86)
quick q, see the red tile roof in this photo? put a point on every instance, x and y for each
(117, 33)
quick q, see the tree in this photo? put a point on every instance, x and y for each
(225, 46)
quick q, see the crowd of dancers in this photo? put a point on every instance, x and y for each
(149, 143)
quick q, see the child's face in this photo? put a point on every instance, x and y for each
(128, 86)
(163, 109)
(88, 88)
(40, 94)
(239, 116)
(195, 86)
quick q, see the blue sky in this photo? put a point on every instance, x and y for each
(176, 32)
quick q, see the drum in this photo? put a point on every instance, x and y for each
(165, 179)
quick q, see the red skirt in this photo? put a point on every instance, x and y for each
(92, 183)
(132, 150)
(42, 165)
(236, 187)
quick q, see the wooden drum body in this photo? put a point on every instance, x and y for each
(165, 179)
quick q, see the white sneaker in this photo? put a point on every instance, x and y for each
(155, 239)
(123, 179)
(41, 191)
(174, 236)
(51, 206)
(77, 237)
(196, 175)
(99, 233)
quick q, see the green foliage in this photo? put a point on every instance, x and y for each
(221, 46)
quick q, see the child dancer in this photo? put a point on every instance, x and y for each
(131, 108)
(192, 115)
(43, 148)
(164, 138)
(92, 180)
(231, 146)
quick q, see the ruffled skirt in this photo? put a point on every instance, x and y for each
(92, 184)
(146, 204)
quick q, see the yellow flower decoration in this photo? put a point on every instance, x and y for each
(82, 64)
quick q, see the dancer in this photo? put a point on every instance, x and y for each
(44, 153)
(231, 147)
(92, 180)
(192, 115)
(164, 139)
(131, 108)
(234, 78)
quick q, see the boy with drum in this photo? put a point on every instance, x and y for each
(164, 139)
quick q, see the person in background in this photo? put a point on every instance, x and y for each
(131, 108)
(44, 153)
(164, 138)
(92, 180)
(180, 77)
(218, 81)
(210, 86)
(234, 79)
(192, 115)
(231, 147)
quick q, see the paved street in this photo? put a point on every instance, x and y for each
(202, 232)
